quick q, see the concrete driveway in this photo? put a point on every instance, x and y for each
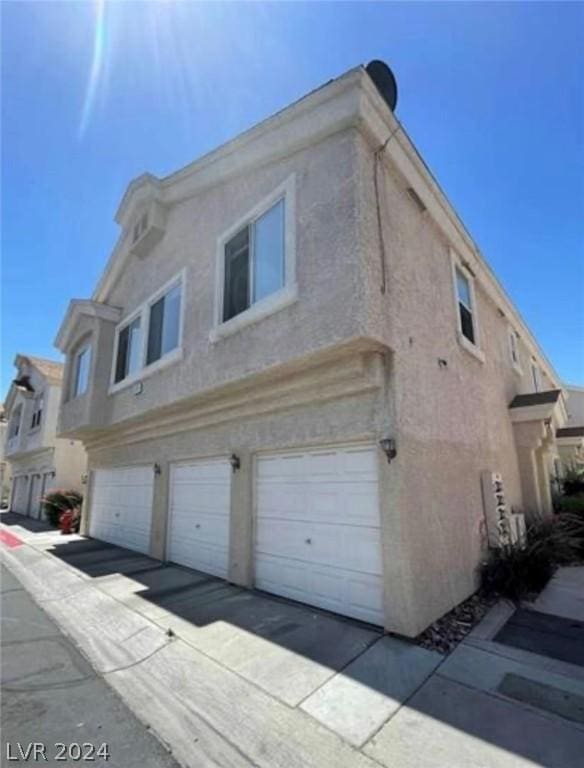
(232, 677)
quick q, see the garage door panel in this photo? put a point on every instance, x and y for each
(211, 527)
(121, 508)
(355, 546)
(356, 503)
(317, 536)
(200, 505)
(212, 499)
(286, 578)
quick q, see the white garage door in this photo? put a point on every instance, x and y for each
(198, 526)
(318, 536)
(121, 507)
(34, 503)
(20, 494)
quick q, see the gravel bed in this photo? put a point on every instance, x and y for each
(447, 632)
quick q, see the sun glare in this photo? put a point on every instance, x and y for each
(96, 66)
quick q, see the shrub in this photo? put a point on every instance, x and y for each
(58, 501)
(518, 573)
(573, 481)
(571, 505)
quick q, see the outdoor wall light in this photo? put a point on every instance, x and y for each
(157, 469)
(387, 445)
(235, 462)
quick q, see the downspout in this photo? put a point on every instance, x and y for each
(376, 162)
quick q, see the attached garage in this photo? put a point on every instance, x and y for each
(34, 501)
(20, 494)
(48, 485)
(317, 534)
(121, 507)
(198, 522)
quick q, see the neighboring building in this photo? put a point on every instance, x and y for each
(38, 459)
(570, 438)
(275, 322)
(4, 466)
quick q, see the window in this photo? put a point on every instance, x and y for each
(81, 371)
(514, 348)
(150, 338)
(536, 377)
(254, 262)
(129, 350)
(465, 306)
(164, 325)
(14, 428)
(37, 412)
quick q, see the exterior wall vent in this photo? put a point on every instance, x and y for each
(148, 229)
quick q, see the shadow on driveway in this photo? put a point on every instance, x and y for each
(378, 673)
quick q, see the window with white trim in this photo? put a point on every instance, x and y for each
(14, 427)
(37, 413)
(465, 306)
(254, 261)
(129, 349)
(82, 364)
(151, 336)
(164, 325)
(514, 348)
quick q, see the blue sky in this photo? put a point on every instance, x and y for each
(491, 94)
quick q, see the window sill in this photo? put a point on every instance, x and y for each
(169, 359)
(471, 348)
(264, 308)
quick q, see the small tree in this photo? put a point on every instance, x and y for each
(58, 501)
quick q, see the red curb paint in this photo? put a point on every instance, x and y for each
(10, 539)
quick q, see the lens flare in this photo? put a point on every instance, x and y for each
(96, 66)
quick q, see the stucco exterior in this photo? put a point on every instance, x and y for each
(570, 440)
(37, 458)
(336, 358)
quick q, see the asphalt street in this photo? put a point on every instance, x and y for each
(55, 710)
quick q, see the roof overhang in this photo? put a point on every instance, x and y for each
(570, 437)
(546, 406)
(83, 308)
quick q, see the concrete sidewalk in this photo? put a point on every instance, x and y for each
(245, 679)
(51, 695)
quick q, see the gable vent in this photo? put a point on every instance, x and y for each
(140, 227)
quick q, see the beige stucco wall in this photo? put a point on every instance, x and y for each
(328, 310)
(451, 418)
(447, 410)
(575, 406)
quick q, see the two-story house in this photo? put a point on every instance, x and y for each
(38, 460)
(301, 368)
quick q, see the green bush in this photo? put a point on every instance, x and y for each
(571, 504)
(573, 481)
(518, 573)
(57, 501)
